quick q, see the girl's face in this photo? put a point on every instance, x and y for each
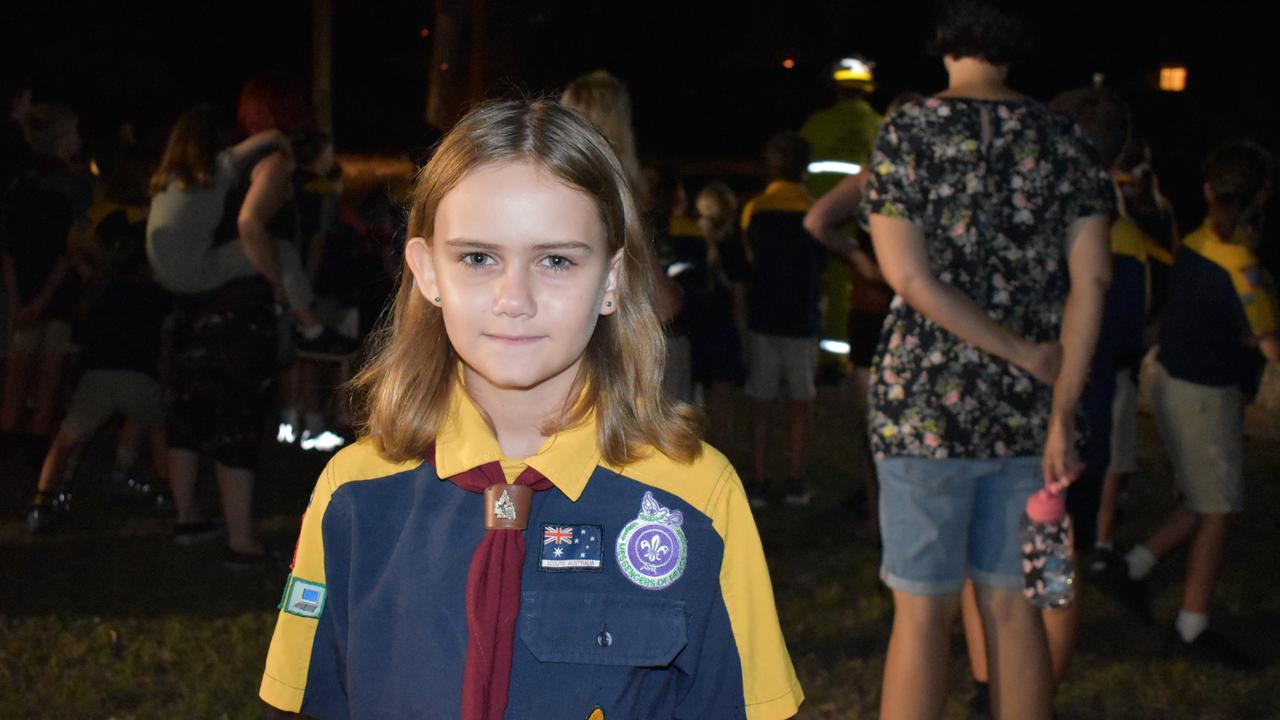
(521, 268)
(711, 213)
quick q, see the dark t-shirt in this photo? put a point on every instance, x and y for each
(1218, 300)
(285, 225)
(15, 154)
(122, 328)
(786, 263)
(39, 211)
(713, 299)
(682, 254)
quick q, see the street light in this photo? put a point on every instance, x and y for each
(1173, 77)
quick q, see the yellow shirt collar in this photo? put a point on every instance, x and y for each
(567, 458)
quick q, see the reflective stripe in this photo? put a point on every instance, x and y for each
(834, 166)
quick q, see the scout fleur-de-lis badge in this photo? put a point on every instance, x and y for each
(504, 509)
(651, 549)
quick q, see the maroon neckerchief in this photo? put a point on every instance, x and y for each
(493, 599)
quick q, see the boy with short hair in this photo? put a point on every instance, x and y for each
(1220, 328)
(783, 313)
(121, 342)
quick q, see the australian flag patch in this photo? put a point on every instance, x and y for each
(571, 548)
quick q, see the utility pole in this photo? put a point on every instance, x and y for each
(322, 63)
(459, 62)
(444, 96)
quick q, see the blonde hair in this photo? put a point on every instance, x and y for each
(605, 101)
(404, 392)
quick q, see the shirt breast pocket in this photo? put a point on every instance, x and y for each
(602, 628)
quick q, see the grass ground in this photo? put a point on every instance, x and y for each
(112, 620)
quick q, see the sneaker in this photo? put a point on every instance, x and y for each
(328, 345)
(1210, 646)
(797, 493)
(757, 496)
(980, 702)
(137, 491)
(190, 532)
(285, 434)
(1132, 595)
(1103, 560)
(48, 511)
(324, 441)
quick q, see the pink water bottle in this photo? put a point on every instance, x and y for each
(1048, 558)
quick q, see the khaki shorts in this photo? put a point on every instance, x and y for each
(1124, 426)
(775, 361)
(47, 337)
(1203, 431)
(102, 394)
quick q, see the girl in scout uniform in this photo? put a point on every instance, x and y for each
(528, 528)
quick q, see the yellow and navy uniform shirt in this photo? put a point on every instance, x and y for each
(1218, 300)
(1129, 295)
(644, 590)
(682, 254)
(786, 262)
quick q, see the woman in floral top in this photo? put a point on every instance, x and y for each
(988, 214)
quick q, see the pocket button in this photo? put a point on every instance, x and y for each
(604, 639)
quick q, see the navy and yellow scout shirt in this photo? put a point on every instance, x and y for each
(1129, 296)
(1218, 300)
(786, 262)
(644, 593)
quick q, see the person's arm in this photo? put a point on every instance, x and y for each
(904, 262)
(832, 211)
(268, 191)
(1270, 347)
(668, 296)
(1089, 266)
(315, 254)
(32, 311)
(258, 143)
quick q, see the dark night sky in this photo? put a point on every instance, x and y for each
(706, 77)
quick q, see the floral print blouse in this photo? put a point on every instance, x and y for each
(994, 186)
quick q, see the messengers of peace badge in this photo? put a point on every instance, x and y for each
(651, 549)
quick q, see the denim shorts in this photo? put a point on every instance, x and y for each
(942, 521)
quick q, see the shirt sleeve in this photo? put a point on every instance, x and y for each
(770, 688)
(304, 663)
(1085, 184)
(894, 188)
(1257, 300)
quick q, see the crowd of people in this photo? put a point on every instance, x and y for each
(1002, 270)
(185, 295)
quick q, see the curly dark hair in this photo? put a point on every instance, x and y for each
(992, 30)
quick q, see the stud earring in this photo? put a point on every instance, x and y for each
(436, 299)
(608, 303)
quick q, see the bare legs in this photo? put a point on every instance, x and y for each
(23, 368)
(798, 414)
(915, 670)
(1013, 649)
(235, 485)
